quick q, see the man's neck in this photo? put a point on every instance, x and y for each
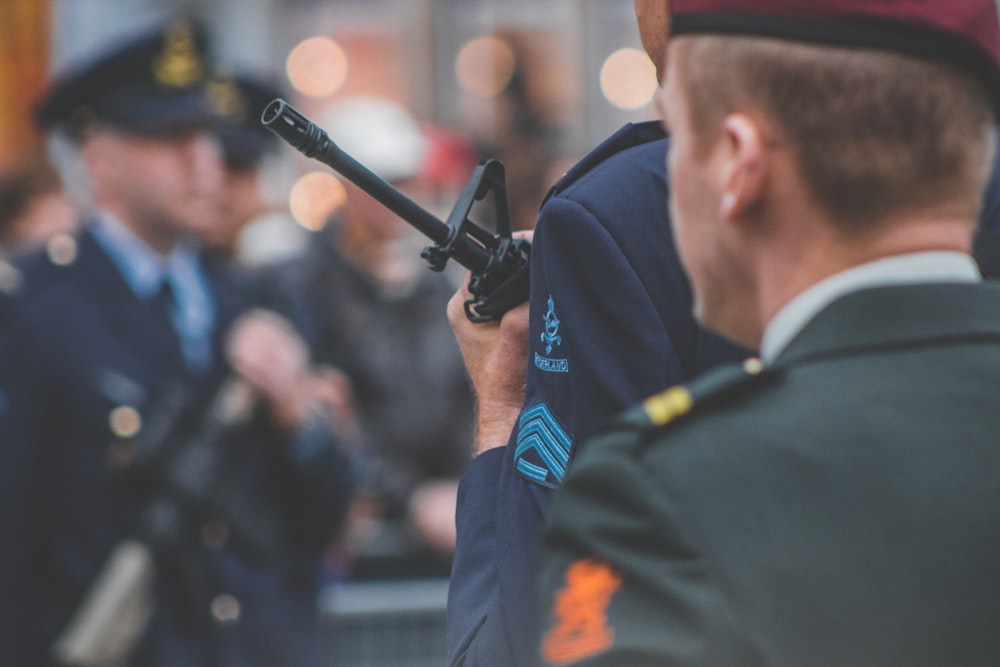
(791, 273)
(791, 270)
(160, 238)
(904, 269)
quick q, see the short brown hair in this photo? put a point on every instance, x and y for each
(875, 134)
(20, 185)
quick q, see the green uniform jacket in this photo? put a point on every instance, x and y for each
(839, 508)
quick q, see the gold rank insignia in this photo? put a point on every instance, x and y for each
(668, 405)
(179, 64)
(227, 100)
(665, 407)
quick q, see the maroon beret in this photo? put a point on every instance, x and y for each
(965, 33)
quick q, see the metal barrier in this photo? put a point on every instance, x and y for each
(396, 623)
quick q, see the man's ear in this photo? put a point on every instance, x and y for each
(93, 151)
(745, 166)
(96, 152)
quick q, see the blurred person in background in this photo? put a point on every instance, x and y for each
(33, 206)
(239, 498)
(378, 319)
(248, 235)
(523, 132)
(250, 228)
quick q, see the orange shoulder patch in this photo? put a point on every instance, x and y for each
(580, 626)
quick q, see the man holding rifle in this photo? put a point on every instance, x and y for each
(609, 324)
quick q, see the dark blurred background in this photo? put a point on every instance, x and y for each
(533, 83)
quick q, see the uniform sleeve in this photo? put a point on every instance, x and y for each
(21, 457)
(320, 484)
(475, 632)
(613, 310)
(621, 584)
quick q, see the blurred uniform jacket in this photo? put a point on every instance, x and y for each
(610, 324)
(838, 508)
(408, 380)
(78, 344)
(986, 241)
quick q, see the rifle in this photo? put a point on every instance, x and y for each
(179, 455)
(498, 263)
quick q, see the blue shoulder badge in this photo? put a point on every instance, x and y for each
(551, 338)
(543, 446)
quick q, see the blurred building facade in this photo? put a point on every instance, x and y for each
(527, 81)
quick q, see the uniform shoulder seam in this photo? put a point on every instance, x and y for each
(668, 407)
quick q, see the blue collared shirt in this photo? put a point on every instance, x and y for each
(145, 272)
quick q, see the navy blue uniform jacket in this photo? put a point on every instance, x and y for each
(78, 343)
(610, 325)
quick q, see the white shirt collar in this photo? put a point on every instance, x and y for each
(141, 266)
(909, 269)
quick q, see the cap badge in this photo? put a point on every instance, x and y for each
(227, 100)
(179, 64)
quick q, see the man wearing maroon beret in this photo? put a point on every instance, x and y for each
(836, 501)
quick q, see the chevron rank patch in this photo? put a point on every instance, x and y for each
(543, 446)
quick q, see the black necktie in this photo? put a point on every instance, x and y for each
(165, 304)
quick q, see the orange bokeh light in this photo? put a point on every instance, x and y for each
(317, 66)
(628, 78)
(484, 66)
(315, 197)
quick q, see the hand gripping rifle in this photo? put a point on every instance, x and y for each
(498, 263)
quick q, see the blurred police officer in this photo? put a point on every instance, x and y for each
(836, 503)
(610, 324)
(104, 323)
(248, 150)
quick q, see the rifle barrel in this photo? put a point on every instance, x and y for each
(314, 142)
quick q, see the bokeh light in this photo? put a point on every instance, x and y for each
(317, 66)
(125, 421)
(484, 66)
(628, 79)
(315, 197)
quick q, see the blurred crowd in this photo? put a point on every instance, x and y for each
(230, 384)
(150, 281)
